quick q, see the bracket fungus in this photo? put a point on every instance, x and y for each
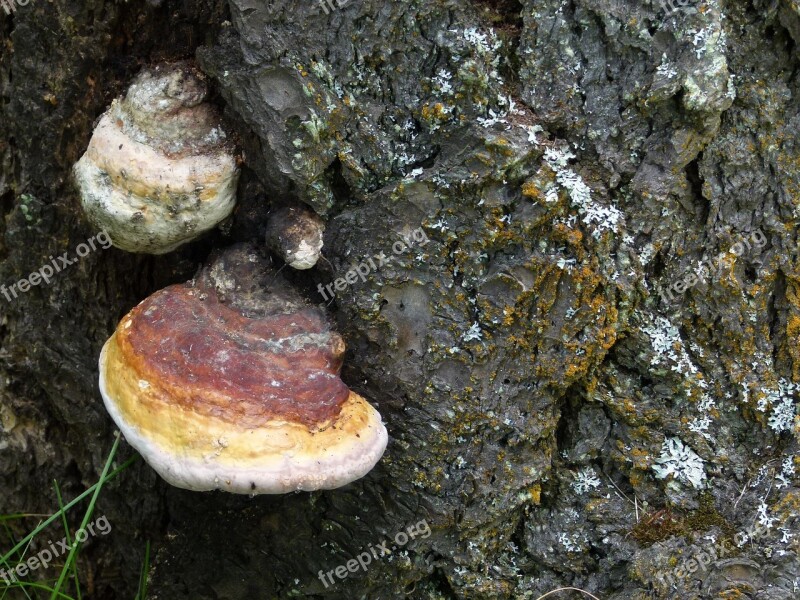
(231, 381)
(295, 234)
(158, 171)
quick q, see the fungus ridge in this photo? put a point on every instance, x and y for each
(215, 361)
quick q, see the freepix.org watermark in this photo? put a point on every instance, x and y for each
(368, 266)
(46, 272)
(713, 553)
(672, 7)
(333, 4)
(44, 557)
(421, 529)
(708, 266)
(11, 5)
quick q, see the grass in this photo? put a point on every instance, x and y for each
(141, 594)
(58, 588)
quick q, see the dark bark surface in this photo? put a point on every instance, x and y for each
(568, 163)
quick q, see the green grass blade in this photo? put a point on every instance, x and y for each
(141, 594)
(69, 505)
(17, 583)
(39, 586)
(20, 516)
(88, 515)
(68, 537)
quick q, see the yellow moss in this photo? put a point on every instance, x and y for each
(500, 146)
(793, 325)
(530, 190)
(437, 111)
(574, 237)
(734, 593)
(788, 506)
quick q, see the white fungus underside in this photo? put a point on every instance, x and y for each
(278, 475)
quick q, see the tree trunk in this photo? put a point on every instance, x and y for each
(585, 358)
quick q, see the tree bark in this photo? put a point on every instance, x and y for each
(560, 413)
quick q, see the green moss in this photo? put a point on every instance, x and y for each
(664, 524)
(707, 516)
(656, 527)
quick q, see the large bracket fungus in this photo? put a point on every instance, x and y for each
(158, 171)
(231, 381)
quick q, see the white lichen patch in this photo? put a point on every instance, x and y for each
(571, 541)
(787, 472)
(700, 426)
(706, 402)
(763, 516)
(781, 401)
(585, 481)
(473, 87)
(486, 44)
(474, 333)
(646, 255)
(532, 131)
(666, 342)
(598, 217)
(666, 69)
(679, 461)
(443, 82)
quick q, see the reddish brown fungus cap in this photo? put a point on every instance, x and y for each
(231, 381)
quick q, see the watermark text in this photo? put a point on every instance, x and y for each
(368, 266)
(47, 555)
(421, 529)
(707, 267)
(56, 265)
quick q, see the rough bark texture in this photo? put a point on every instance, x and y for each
(530, 360)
